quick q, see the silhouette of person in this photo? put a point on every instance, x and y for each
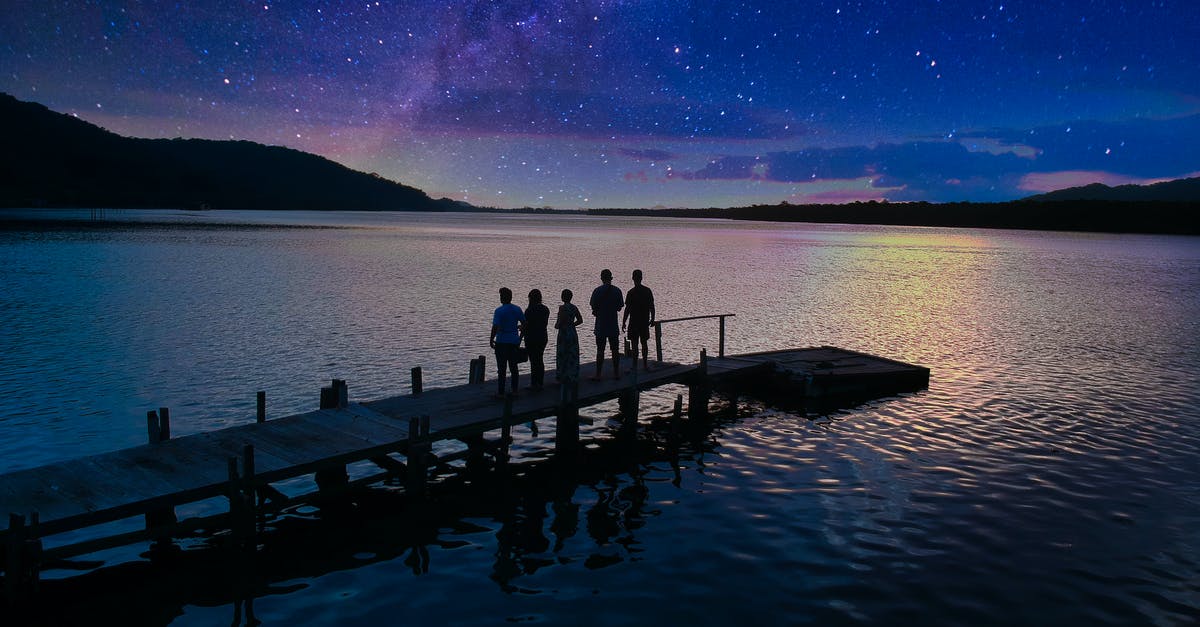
(639, 313)
(537, 316)
(506, 337)
(566, 354)
(606, 302)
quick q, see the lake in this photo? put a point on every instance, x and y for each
(1050, 474)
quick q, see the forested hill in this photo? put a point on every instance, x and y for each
(1181, 190)
(56, 160)
(1060, 215)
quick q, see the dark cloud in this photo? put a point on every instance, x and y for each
(949, 170)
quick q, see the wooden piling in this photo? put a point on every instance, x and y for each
(249, 494)
(328, 398)
(152, 426)
(566, 424)
(343, 392)
(417, 385)
(261, 401)
(658, 340)
(721, 343)
(506, 429)
(677, 416)
(158, 429)
(22, 556)
(418, 453)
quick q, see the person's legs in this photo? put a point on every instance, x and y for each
(614, 342)
(502, 351)
(537, 364)
(599, 356)
(645, 352)
(512, 365)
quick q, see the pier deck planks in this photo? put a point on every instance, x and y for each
(100, 488)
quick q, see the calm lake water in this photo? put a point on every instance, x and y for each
(1049, 475)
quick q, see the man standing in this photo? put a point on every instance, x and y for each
(606, 302)
(639, 314)
(506, 337)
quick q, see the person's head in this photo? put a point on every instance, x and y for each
(535, 297)
(567, 295)
(505, 295)
(606, 275)
(637, 277)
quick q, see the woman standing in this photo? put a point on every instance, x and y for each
(567, 353)
(537, 316)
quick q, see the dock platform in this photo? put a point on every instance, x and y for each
(241, 462)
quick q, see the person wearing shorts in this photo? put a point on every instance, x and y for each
(638, 316)
(606, 302)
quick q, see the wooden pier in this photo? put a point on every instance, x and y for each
(240, 463)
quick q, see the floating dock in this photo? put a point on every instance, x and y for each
(242, 462)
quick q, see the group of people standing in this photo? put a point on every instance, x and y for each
(511, 325)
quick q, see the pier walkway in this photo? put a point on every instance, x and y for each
(153, 478)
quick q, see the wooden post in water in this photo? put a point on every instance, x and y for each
(261, 401)
(677, 416)
(158, 429)
(628, 403)
(699, 390)
(417, 453)
(658, 340)
(721, 344)
(505, 430)
(566, 424)
(250, 496)
(333, 479)
(22, 558)
(417, 384)
(336, 396)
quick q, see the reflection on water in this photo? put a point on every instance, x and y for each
(1047, 476)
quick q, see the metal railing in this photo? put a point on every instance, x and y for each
(658, 332)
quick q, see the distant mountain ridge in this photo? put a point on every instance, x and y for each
(1181, 190)
(56, 160)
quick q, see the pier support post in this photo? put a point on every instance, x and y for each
(721, 344)
(478, 370)
(418, 457)
(336, 396)
(241, 517)
(505, 430)
(700, 390)
(628, 403)
(566, 424)
(677, 417)
(261, 402)
(658, 340)
(23, 553)
(158, 429)
(334, 478)
(417, 384)
(250, 520)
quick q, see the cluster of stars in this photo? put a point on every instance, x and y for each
(739, 102)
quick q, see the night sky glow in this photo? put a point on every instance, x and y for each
(645, 103)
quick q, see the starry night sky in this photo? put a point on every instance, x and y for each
(646, 103)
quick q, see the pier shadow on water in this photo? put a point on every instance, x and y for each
(531, 506)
